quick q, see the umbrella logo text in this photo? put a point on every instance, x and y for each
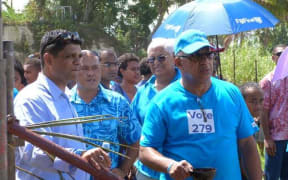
(251, 20)
(172, 27)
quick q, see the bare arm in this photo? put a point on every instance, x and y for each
(251, 158)
(268, 141)
(125, 166)
(155, 160)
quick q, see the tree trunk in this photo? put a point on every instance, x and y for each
(3, 110)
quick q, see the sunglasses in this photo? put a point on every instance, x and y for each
(160, 58)
(278, 54)
(197, 57)
(110, 64)
(62, 37)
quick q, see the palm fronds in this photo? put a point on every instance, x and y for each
(70, 121)
(82, 139)
(28, 172)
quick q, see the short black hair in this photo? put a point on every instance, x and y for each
(19, 68)
(35, 62)
(51, 43)
(144, 67)
(124, 60)
(243, 88)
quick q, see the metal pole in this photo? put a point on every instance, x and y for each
(55, 149)
(234, 67)
(217, 46)
(3, 109)
(9, 57)
(256, 70)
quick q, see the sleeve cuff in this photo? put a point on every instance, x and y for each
(62, 165)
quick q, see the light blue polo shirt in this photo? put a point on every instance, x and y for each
(139, 107)
(175, 126)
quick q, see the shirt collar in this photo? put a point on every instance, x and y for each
(153, 77)
(52, 88)
(102, 94)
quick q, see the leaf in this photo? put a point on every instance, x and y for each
(80, 139)
(70, 121)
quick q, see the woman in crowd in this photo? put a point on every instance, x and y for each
(129, 71)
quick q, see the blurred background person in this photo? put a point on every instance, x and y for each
(32, 67)
(109, 63)
(254, 96)
(161, 62)
(274, 122)
(145, 71)
(129, 71)
(19, 79)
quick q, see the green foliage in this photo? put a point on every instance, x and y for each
(246, 56)
(11, 17)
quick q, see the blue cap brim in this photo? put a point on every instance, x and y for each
(192, 48)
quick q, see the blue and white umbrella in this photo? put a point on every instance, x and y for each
(216, 17)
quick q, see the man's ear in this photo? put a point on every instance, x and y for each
(47, 57)
(178, 62)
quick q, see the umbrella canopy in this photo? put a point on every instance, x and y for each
(216, 17)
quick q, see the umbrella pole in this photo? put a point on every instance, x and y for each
(256, 70)
(234, 67)
(219, 62)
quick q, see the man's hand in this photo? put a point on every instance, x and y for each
(119, 172)
(180, 170)
(270, 147)
(97, 158)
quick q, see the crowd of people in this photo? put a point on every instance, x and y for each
(175, 115)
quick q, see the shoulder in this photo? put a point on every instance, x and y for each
(31, 93)
(221, 84)
(266, 81)
(113, 97)
(226, 89)
(172, 91)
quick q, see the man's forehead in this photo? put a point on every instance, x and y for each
(89, 58)
(279, 49)
(71, 48)
(109, 58)
(204, 49)
(157, 50)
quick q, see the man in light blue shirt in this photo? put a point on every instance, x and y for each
(91, 98)
(45, 100)
(198, 121)
(161, 63)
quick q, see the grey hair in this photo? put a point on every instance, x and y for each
(167, 44)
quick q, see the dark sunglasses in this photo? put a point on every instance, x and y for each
(62, 37)
(110, 64)
(160, 58)
(199, 56)
(278, 54)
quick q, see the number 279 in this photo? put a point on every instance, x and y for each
(200, 128)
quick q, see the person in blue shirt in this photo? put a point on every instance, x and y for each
(91, 98)
(161, 62)
(45, 100)
(129, 72)
(145, 71)
(198, 121)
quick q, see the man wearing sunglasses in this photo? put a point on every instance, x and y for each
(198, 121)
(161, 62)
(45, 100)
(274, 122)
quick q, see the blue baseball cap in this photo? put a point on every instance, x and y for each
(191, 41)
